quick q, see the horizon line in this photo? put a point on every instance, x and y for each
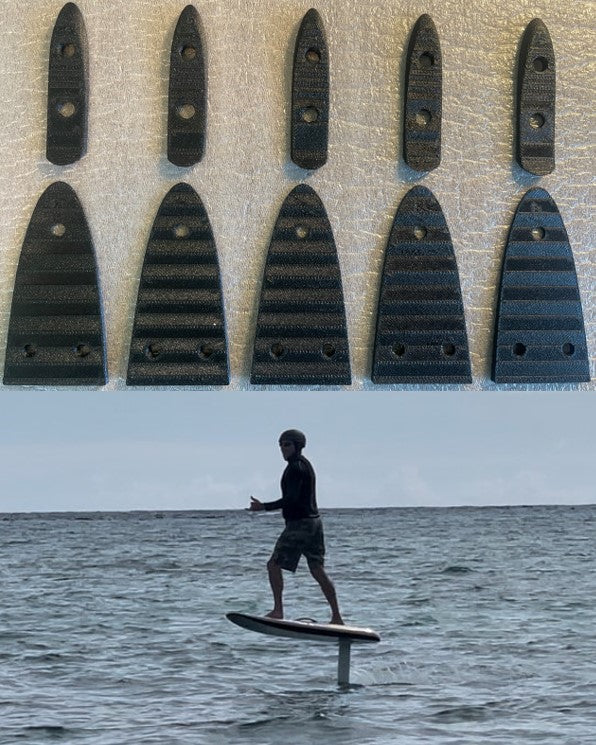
(325, 509)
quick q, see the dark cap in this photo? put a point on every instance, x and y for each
(295, 436)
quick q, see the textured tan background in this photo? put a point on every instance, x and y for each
(246, 172)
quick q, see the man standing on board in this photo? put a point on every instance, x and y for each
(303, 534)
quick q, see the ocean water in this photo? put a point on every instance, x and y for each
(112, 629)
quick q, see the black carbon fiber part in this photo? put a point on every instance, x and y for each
(67, 88)
(310, 94)
(421, 329)
(536, 84)
(179, 335)
(55, 334)
(187, 99)
(539, 335)
(301, 336)
(423, 97)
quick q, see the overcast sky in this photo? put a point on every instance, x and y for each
(201, 450)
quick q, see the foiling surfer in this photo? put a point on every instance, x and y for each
(303, 533)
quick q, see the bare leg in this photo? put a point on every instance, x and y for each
(277, 587)
(319, 573)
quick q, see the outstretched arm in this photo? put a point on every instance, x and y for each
(256, 505)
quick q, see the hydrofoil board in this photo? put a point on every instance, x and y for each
(321, 632)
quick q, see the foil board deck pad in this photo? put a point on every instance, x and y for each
(301, 336)
(55, 333)
(179, 335)
(539, 336)
(421, 329)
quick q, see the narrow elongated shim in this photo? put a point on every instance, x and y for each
(423, 97)
(187, 97)
(536, 93)
(310, 94)
(66, 134)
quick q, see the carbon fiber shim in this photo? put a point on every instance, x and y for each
(423, 97)
(67, 88)
(187, 99)
(179, 335)
(421, 329)
(55, 334)
(310, 94)
(539, 336)
(536, 83)
(301, 335)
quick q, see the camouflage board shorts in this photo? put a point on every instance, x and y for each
(300, 538)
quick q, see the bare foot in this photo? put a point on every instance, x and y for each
(274, 614)
(337, 621)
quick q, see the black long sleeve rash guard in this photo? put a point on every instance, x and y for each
(298, 493)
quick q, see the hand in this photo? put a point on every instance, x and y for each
(256, 505)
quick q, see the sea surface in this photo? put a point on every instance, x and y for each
(112, 629)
